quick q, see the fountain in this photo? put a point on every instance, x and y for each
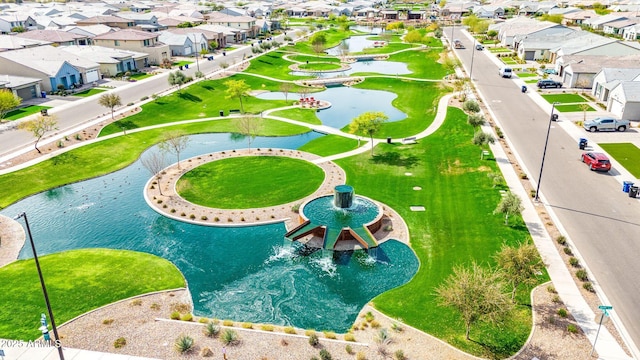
(340, 221)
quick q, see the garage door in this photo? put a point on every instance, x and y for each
(529, 55)
(616, 107)
(92, 75)
(27, 93)
(187, 50)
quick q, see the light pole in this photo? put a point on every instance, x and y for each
(44, 288)
(195, 42)
(473, 51)
(553, 117)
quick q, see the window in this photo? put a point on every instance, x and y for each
(116, 43)
(146, 42)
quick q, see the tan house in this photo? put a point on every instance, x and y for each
(111, 21)
(246, 24)
(136, 40)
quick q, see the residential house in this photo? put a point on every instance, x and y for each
(389, 14)
(521, 27)
(56, 37)
(53, 66)
(580, 71)
(631, 33)
(608, 78)
(111, 61)
(23, 87)
(488, 11)
(245, 24)
(180, 44)
(624, 100)
(598, 22)
(9, 22)
(202, 38)
(111, 21)
(136, 40)
(139, 7)
(10, 42)
(89, 31)
(146, 22)
(578, 17)
(224, 34)
(617, 27)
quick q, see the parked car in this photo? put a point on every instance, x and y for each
(596, 161)
(457, 44)
(547, 83)
(541, 72)
(479, 47)
(606, 124)
(505, 72)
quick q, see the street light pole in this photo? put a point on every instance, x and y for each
(195, 42)
(44, 288)
(473, 52)
(544, 152)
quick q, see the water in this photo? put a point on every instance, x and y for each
(236, 273)
(348, 103)
(370, 66)
(322, 211)
(353, 44)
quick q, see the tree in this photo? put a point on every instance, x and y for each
(155, 162)
(491, 34)
(174, 142)
(509, 204)
(213, 44)
(237, 89)
(110, 100)
(477, 294)
(40, 126)
(413, 36)
(584, 107)
(285, 88)
(8, 101)
(177, 78)
(475, 120)
(496, 178)
(482, 138)
(318, 42)
(368, 123)
(249, 126)
(520, 265)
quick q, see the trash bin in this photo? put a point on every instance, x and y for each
(633, 191)
(582, 144)
(221, 112)
(186, 66)
(388, 140)
(524, 89)
(626, 185)
(554, 117)
(43, 94)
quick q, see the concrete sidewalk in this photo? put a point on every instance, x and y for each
(51, 353)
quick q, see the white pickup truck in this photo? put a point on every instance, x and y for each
(606, 124)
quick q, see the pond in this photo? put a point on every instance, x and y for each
(353, 44)
(379, 67)
(347, 103)
(246, 273)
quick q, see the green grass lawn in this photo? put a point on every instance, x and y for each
(250, 182)
(110, 155)
(24, 111)
(182, 63)
(140, 76)
(319, 66)
(498, 49)
(309, 58)
(457, 227)
(89, 92)
(389, 48)
(200, 100)
(573, 108)
(77, 281)
(415, 98)
(422, 63)
(508, 60)
(330, 145)
(627, 154)
(273, 65)
(564, 98)
(305, 115)
(532, 81)
(526, 74)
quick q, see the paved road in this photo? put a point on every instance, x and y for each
(85, 110)
(601, 220)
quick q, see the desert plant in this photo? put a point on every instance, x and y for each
(589, 287)
(399, 355)
(561, 240)
(309, 332)
(325, 354)
(120, 342)
(348, 349)
(582, 275)
(562, 312)
(361, 356)
(184, 344)
(227, 322)
(211, 330)
(289, 330)
(229, 337)
(471, 106)
(329, 334)
(369, 316)
(175, 315)
(349, 337)
(552, 289)
(186, 317)
(574, 262)
(396, 327)
(107, 321)
(567, 251)
(572, 328)
(203, 320)
(313, 340)
(206, 352)
(247, 325)
(266, 327)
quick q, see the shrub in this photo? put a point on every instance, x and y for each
(568, 251)
(369, 316)
(60, 144)
(552, 289)
(211, 330)
(107, 321)
(574, 262)
(184, 344)
(216, 219)
(78, 137)
(203, 217)
(186, 317)
(589, 287)
(229, 337)
(329, 334)
(471, 106)
(523, 176)
(172, 211)
(349, 337)
(556, 299)
(203, 320)
(572, 329)
(375, 324)
(206, 352)
(266, 327)
(192, 216)
(130, 104)
(295, 208)
(313, 340)
(144, 98)
(348, 349)
(325, 355)
(120, 342)
(399, 355)
(361, 356)
(561, 240)
(309, 332)
(247, 325)
(499, 133)
(289, 330)
(396, 327)
(562, 312)
(175, 315)
(227, 322)
(582, 275)
(183, 214)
